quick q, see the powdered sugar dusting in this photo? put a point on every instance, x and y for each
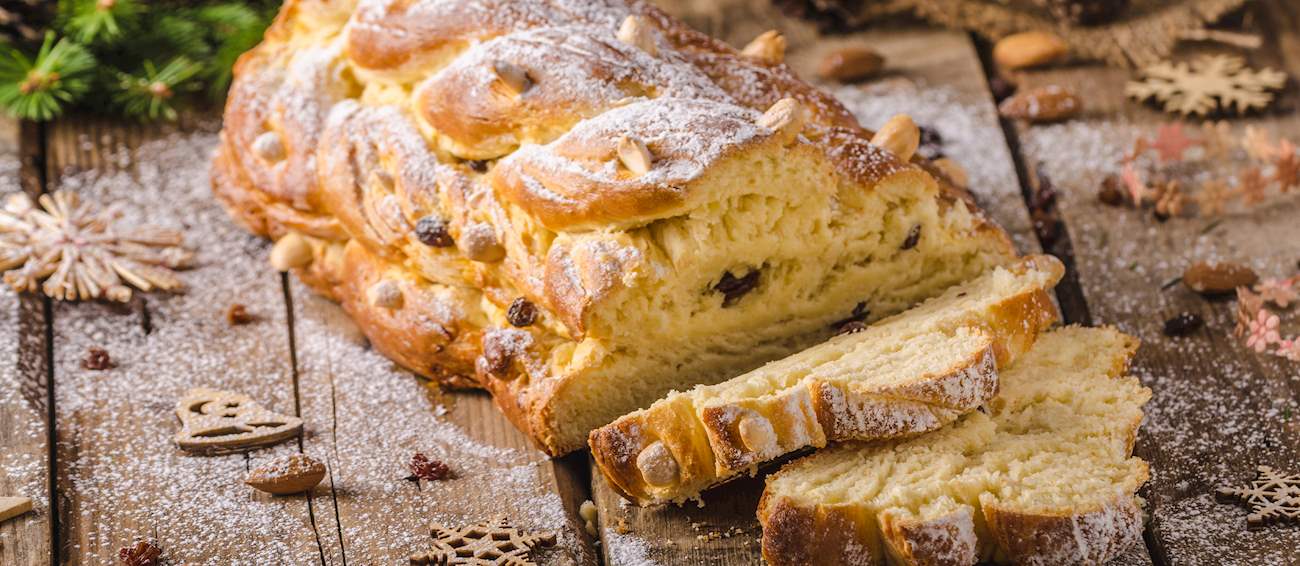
(119, 466)
(364, 418)
(626, 549)
(23, 470)
(374, 416)
(1218, 410)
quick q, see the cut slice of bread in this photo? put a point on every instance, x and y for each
(909, 373)
(1043, 475)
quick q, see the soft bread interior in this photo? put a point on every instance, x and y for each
(818, 254)
(924, 346)
(1055, 442)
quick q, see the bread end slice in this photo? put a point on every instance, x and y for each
(1044, 476)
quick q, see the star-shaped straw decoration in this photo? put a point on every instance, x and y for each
(72, 251)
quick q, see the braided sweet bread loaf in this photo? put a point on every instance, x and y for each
(577, 205)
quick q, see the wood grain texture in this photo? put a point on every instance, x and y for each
(1219, 410)
(369, 417)
(24, 380)
(119, 475)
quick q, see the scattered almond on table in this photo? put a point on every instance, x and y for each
(288, 475)
(850, 63)
(1029, 49)
(1209, 278)
(1043, 104)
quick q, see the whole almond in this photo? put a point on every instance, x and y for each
(1043, 104)
(1029, 49)
(850, 63)
(284, 476)
(1209, 278)
(899, 136)
(768, 48)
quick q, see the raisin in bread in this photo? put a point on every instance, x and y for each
(1044, 475)
(910, 373)
(578, 205)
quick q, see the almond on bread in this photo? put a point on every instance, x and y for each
(1044, 475)
(910, 373)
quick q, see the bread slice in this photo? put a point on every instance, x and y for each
(1043, 475)
(910, 373)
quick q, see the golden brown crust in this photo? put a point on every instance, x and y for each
(948, 540)
(1094, 536)
(434, 331)
(795, 535)
(349, 124)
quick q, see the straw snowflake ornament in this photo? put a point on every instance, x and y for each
(71, 250)
(1210, 84)
(1273, 496)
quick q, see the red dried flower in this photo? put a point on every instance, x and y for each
(424, 468)
(141, 553)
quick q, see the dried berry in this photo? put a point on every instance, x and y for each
(733, 288)
(913, 238)
(423, 468)
(931, 145)
(141, 553)
(477, 165)
(97, 359)
(1110, 193)
(238, 315)
(521, 313)
(852, 327)
(1043, 212)
(855, 321)
(432, 231)
(1183, 324)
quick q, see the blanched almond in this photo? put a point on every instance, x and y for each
(1029, 49)
(768, 47)
(899, 136)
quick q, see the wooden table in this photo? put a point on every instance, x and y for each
(94, 447)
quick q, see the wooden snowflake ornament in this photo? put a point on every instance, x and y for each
(71, 251)
(1214, 83)
(495, 543)
(1272, 497)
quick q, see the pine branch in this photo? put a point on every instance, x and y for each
(98, 21)
(151, 92)
(39, 88)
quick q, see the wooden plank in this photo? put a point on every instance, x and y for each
(936, 77)
(119, 473)
(1218, 409)
(376, 416)
(24, 379)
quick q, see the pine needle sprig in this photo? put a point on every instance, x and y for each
(150, 93)
(236, 29)
(99, 21)
(38, 88)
